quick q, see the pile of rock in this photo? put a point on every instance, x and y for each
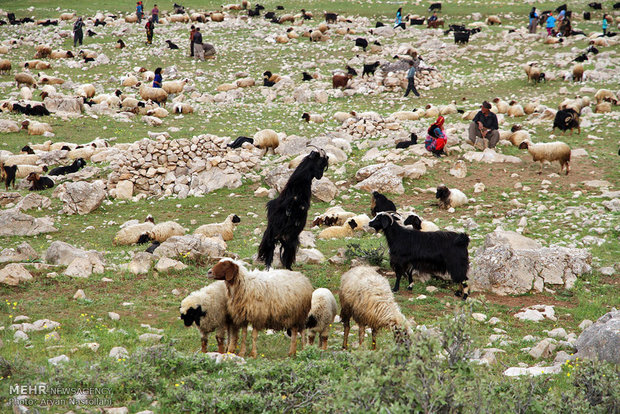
(184, 167)
(368, 125)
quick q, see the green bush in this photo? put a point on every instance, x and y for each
(374, 255)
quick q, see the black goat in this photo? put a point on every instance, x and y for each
(267, 79)
(370, 69)
(331, 17)
(566, 119)
(77, 164)
(434, 6)
(99, 23)
(581, 58)
(287, 214)
(361, 42)
(178, 9)
(461, 37)
(279, 7)
(48, 22)
(592, 50)
(240, 141)
(39, 183)
(37, 110)
(596, 6)
(27, 150)
(402, 25)
(379, 24)
(429, 252)
(379, 203)
(351, 71)
(306, 77)
(270, 15)
(586, 16)
(171, 45)
(152, 247)
(8, 173)
(90, 33)
(88, 59)
(560, 8)
(407, 144)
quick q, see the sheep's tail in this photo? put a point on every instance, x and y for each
(462, 239)
(311, 322)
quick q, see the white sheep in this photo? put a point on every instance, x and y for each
(131, 234)
(129, 81)
(25, 78)
(157, 112)
(549, 151)
(36, 128)
(517, 135)
(450, 198)
(86, 91)
(154, 94)
(605, 95)
(266, 138)
(407, 115)
(21, 159)
(339, 232)
(322, 314)
(515, 109)
(333, 216)
(182, 108)
(224, 229)
(602, 107)
(343, 116)
(174, 87)
(24, 171)
(366, 297)
(207, 309)
(5, 65)
(276, 299)
(162, 231)
(61, 54)
(316, 118)
(420, 224)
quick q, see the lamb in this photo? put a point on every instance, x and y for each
(266, 138)
(366, 297)
(75, 167)
(207, 309)
(36, 128)
(491, 20)
(333, 216)
(162, 231)
(450, 198)
(549, 151)
(339, 232)
(379, 202)
(39, 183)
(429, 252)
(238, 143)
(174, 87)
(5, 66)
(340, 81)
(224, 230)
(578, 72)
(26, 79)
(566, 119)
(279, 299)
(270, 79)
(316, 118)
(171, 45)
(418, 224)
(158, 95)
(322, 314)
(413, 140)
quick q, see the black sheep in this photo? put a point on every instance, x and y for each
(39, 183)
(370, 69)
(361, 42)
(416, 22)
(90, 33)
(19, 108)
(171, 45)
(429, 252)
(77, 164)
(434, 6)
(287, 214)
(306, 77)
(351, 71)
(99, 23)
(566, 119)
(586, 16)
(331, 17)
(8, 173)
(121, 44)
(27, 150)
(596, 6)
(592, 50)
(379, 24)
(581, 58)
(379, 203)
(279, 7)
(240, 141)
(270, 15)
(37, 110)
(407, 144)
(88, 59)
(461, 37)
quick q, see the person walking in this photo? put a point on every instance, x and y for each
(436, 138)
(411, 80)
(533, 20)
(78, 34)
(192, 32)
(198, 50)
(550, 24)
(155, 14)
(158, 78)
(150, 28)
(605, 25)
(399, 17)
(139, 11)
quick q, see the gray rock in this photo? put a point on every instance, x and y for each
(59, 359)
(9, 198)
(510, 238)
(586, 323)
(324, 189)
(310, 256)
(114, 316)
(141, 263)
(33, 200)
(542, 350)
(82, 197)
(532, 371)
(601, 341)
(214, 179)
(20, 336)
(14, 273)
(61, 253)
(118, 352)
(16, 223)
(22, 253)
(150, 337)
(166, 264)
(387, 179)
(67, 105)
(559, 333)
(561, 358)
(79, 267)
(292, 145)
(116, 410)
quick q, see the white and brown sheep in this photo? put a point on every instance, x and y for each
(333, 216)
(549, 151)
(133, 234)
(366, 297)
(154, 94)
(174, 87)
(450, 197)
(321, 317)
(26, 79)
(515, 110)
(36, 128)
(339, 232)
(316, 118)
(578, 72)
(225, 230)
(5, 66)
(276, 299)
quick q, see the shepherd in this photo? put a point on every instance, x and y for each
(150, 28)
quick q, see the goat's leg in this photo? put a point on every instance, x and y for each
(399, 274)
(410, 278)
(289, 250)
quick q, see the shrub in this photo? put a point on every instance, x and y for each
(374, 255)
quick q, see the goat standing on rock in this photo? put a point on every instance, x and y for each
(287, 214)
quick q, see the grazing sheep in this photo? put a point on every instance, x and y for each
(316, 118)
(379, 202)
(60, 54)
(428, 252)
(339, 232)
(207, 309)
(318, 36)
(26, 79)
(86, 90)
(279, 299)
(578, 72)
(5, 66)
(36, 128)
(366, 297)
(333, 216)
(418, 224)
(287, 214)
(174, 87)
(549, 151)
(321, 317)
(133, 234)
(39, 183)
(158, 95)
(267, 139)
(413, 140)
(602, 107)
(162, 231)
(75, 167)
(605, 95)
(450, 198)
(340, 81)
(224, 230)
(566, 119)
(491, 20)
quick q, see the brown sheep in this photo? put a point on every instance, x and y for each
(340, 81)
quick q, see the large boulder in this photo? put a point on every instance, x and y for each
(324, 189)
(21, 253)
(33, 200)
(510, 264)
(490, 156)
(292, 145)
(16, 223)
(61, 253)
(601, 341)
(191, 246)
(379, 177)
(14, 273)
(214, 179)
(8, 198)
(82, 197)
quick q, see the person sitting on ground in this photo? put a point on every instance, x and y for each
(433, 20)
(158, 78)
(436, 138)
(198, 50)
(483, 131)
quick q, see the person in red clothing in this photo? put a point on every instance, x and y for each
(150, 27)
(436, 138)
(191, 40)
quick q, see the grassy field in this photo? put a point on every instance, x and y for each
(174, 376)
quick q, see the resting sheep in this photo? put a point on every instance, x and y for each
(339, 232)
(133, 234)
(36, 128)
(515, 109)
(154, 94)
(174, 87)
(322, 314)
(366, 297)
(162, 231)
(450, 198)
(224, 229)
(517, 135)
(266, 139)
(333, 216)
(207, 309)
(279, 299)
(418, 224)
(549, 151)
(316, 118)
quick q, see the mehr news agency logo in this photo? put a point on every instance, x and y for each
(45, 395)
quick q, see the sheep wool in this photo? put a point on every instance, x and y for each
(25, 78)
(322, 314)
(131, 234)
(162, 231)
(515, 110)
(366, 297)
(207, 309)
(333, 216)
(342, 116)
(338, 232)
(224, 230)
(605, 95)
(5, 65)
(174, 87)
(36, 128)
(549, 151)
(578, 72)
(450, 197)
(266, 138)
(154, 94)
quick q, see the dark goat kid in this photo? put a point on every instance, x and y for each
(429, 252)
(171, 45)
(287, 214)
(407, 144)
(77, 164)
(39, 183)
(306, 76)
(240, 141)
(361, 42)
(379, 203)
(8, 174)
(370, 69)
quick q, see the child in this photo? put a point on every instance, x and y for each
(436, 138)
(399, 17)
(604, 24)
(150, 27)
(550, 24)
(158, 78)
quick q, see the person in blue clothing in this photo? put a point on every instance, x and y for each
(550, 24)
(604, 24)
(411, 80)
(399, 17)
(158, 78)
(533, 20)
(139, 11)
